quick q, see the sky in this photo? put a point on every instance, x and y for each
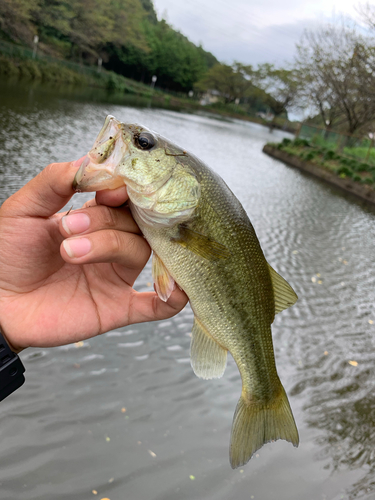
(250, 31)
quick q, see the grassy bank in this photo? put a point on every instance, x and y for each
(351, 176)
(46, 70)
(362, 172)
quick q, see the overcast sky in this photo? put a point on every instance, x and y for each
(250, 31)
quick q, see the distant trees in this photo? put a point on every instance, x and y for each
(15, 20)
(273, 89)
(125, 34)
(336, 69)
(166, 53)
(280, 86)
(333, 74)
(229, 81)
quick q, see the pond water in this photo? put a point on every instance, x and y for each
(65, 433)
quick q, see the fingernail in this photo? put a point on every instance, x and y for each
(75, 223)
(77, 163)
(77, 247)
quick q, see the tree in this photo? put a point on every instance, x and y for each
(280, 86)
(228, 81)
(15, 19)
(333, 64)
(166, 53)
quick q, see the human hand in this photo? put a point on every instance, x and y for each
(57, 287)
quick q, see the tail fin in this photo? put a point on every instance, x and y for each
(254, 425)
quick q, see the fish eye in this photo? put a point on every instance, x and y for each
(145, 141)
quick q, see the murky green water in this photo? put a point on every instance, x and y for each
(64, 434)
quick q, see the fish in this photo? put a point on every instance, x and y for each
(203, 241)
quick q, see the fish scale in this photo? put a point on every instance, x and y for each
(203, 240)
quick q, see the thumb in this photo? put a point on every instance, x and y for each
(46, 193)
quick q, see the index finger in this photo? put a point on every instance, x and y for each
(112, 197)
(45, 194)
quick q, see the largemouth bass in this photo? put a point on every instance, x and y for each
(203, 240)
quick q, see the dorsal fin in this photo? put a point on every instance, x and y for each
(284, 294)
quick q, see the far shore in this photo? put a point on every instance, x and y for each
(366, 193)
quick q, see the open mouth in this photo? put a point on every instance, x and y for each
(98, 169)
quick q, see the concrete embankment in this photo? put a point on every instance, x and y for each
(364, 192)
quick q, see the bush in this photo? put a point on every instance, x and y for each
(115, 83)
(357, 178)
(344, 161)
(30, 69)
(367, 181)
(301, 142)
(330, 155)
(344, 171)
(286, 141)
(7, 67)
(308, 155)
(54, 72)
(354, 165)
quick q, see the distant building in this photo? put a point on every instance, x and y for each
(209, 97)
(266, 116)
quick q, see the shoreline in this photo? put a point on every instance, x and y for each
(365, 193)
(49, 71)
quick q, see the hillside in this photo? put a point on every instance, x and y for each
(125, 34)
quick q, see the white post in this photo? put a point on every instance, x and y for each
(153, 81)
(36, 40)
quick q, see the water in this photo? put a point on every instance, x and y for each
(65, 434)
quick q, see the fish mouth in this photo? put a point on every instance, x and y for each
(97, 170)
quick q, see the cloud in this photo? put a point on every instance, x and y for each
(246, 31)
(273, 44)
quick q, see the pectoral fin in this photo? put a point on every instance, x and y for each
(164, 283)
(208, 358)
(200, 244)
(284, 294)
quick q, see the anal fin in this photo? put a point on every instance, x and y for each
(208, 358)
(284, 294)
(164, 283)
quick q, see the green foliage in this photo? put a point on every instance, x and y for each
(8, 67)
(30, 69)
(230, 83)
(301, 142)
(176, 62)
(345, 171)
(125, 34)
(368, 181)
(16, 19)
(330, 155)
(344, 167)
(308, 155)
(286, 141)
(319, 140)
(280, 86)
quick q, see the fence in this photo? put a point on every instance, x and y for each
(19, 52)
(359, 148)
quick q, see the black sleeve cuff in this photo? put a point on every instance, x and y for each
(11, 370)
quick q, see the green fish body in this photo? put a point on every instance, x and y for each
(203, 240)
